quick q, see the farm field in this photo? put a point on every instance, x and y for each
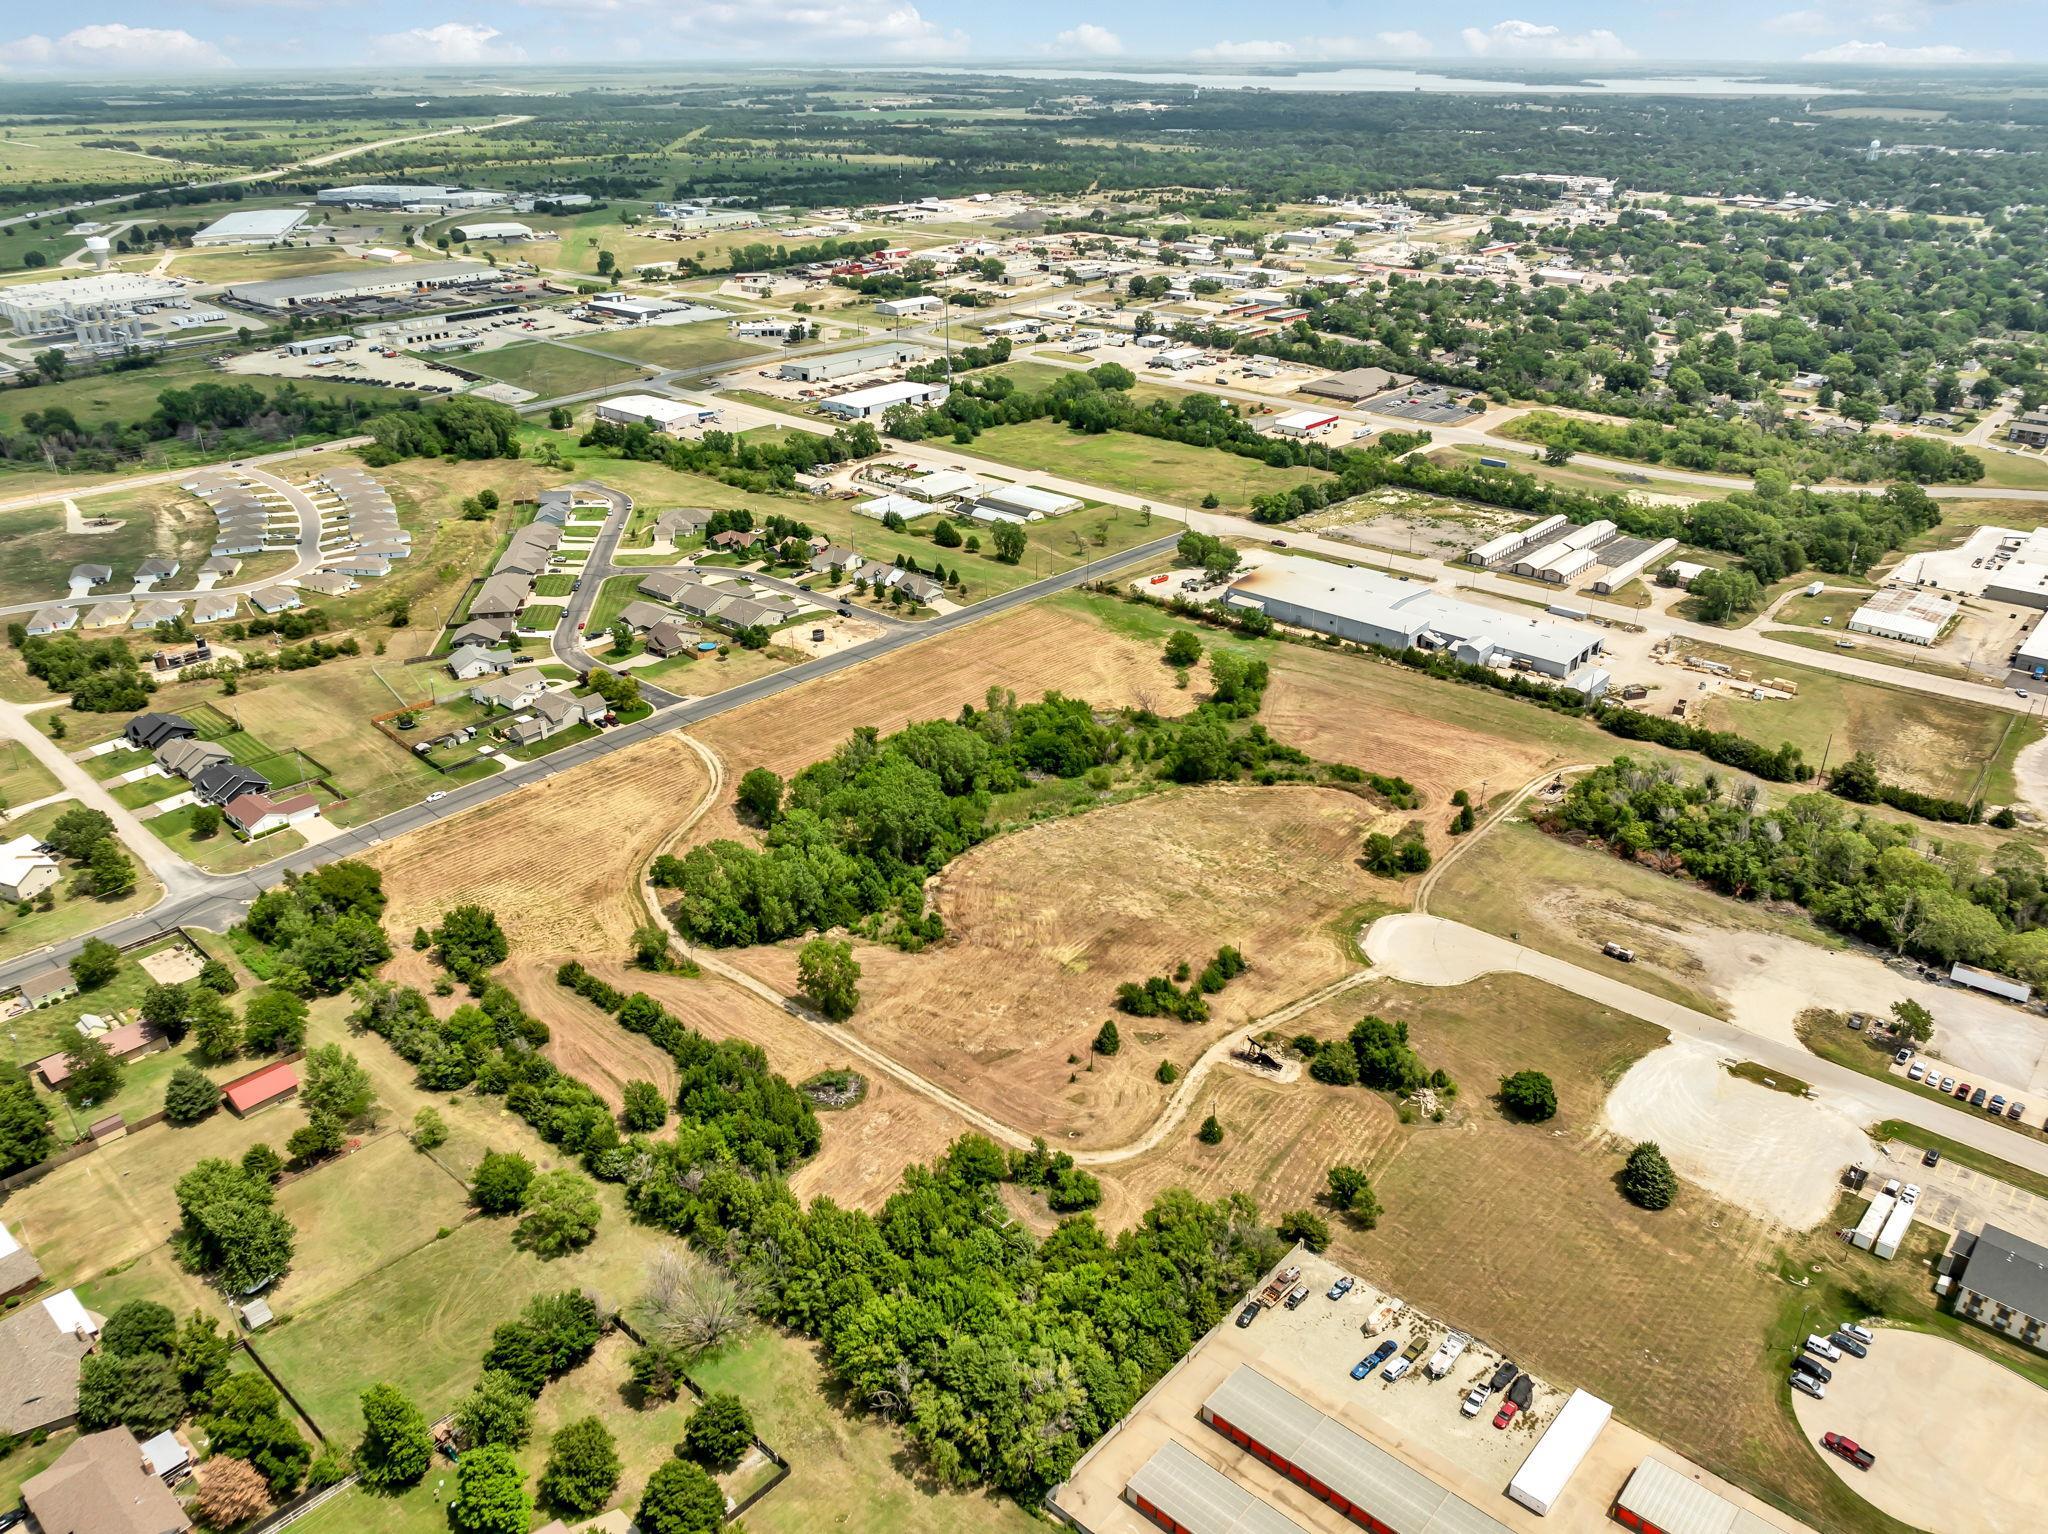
(549, 369)
(1941, 746)
(1172, 471)
(1040, 935)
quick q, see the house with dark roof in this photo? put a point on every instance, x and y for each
(670, 637)
(2003, 1284)
(664, 585)
(103, 1484)
(145, 732)
(41, 1346)
(152, 570)
(483, 631)
(552, 713)
(224, 781)
(642, 616)
(502, 596)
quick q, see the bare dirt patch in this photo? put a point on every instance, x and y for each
(169, 966)
(1777, 1155)
(1045, 924)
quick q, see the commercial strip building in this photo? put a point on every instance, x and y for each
(2001, 1281)
(1370, 608)
(670, 416)
(1906, 613)
(837, 365)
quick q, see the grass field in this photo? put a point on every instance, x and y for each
(549, 369)
(1172, 471)
(2012, 471)
(1919, 739)
(255, 264)
(132, 395)
(23, 777)
(36, 554)
(704, 344)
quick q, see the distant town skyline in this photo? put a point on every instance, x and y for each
(173, 37)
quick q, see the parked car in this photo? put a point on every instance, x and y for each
(1915, 1071)
(1502, 1377)
(1853, 1346)
(1812, 1368)
(1248, 1315)
(1373, 1360)
(1506, 1414)
(1849, 1449)
(1948, 1083)
(1963, 1090)
(1932, 1158)
(1910, 1194)
(2017, 1111)
(1396, 1369)
(1520, 1393)
(1810, 1387)
(1996, 1105)
(1820, 1347)
(1976, 1098)
(1342, 1287)
(1296, 1295)
(1861, 1333)
(1904, 1055)
(1474, 1402)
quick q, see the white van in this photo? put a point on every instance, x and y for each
(1820, 1347)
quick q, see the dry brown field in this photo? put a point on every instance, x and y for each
(1045, 923)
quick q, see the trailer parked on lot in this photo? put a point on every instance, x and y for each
(1447, 1354)
(1559, 1452)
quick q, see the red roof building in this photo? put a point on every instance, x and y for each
(245, 1094)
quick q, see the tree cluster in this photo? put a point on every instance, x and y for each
(321, 928)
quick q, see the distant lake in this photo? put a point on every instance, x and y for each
(1364, 79)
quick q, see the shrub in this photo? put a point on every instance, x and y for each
(500, 1181)
(1307, 1227)
(1168, 1073)
(189, 1095)
(1647, 1179)
(231, 1492)
(1107, 1040)
(681, 1499)
(429, 1130)
(1335, 1064)
(396, 1449)
(1529, 1095)
(642, 1108)
(559, 1213)
(1211, 1132)
(719, 1431)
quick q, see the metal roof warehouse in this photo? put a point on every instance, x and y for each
(1334, 1463)
(324, 287)
(1371, 608)
(1199, 1499)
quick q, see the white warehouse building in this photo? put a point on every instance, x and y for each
(407, 196)
(1370, 608)
(862, 404)
(671, 416)
(77, 304)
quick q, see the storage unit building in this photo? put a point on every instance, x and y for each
(1355, 1476)
(868, 359)
(1658, 1500)
(1620, 575)
(1558, 1453)
(1498, 551)
(862, 404)
(1184, 1494)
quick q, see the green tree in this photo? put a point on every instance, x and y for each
(1009, 543)
(1107, 1040)
(559, 1213)
(1352, 1193)
(24, 1122)
(429, 1130)
(1529, 1095)
(77, 831)
(206, 821)
(498, 1410)
(139, 1392)
(582, 1470)
(469, 942)
(111, 871)
(95, 1073)
(1306, 1227)
(396, 1448)
(336, 1086)
(201, 1354)
(189, 1095)
(1914, 1020)
(261, 1164)
(1168, 1073)
(1647, 1179)
(1182, 648)
(760, 796)
(218, 978)
(490, 1493)
(656, 1371)
(216, 1031)
(1211, 1132)
(273, 1022)
(500, 1181)
(719, 1431)
(96, 962)
(1335, 1063)
(680, 1499)
(246, 1421)
(642, 1108)
(829, 975)
(164, 1008)
(140, 1327)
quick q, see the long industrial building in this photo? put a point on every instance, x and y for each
(1370, 608)
(78, 304)
(1568, 557)
(332, 287)
(1502, 550)
(1619, 575)
(413, 198)
(868, 359)
(251, 226)
(1179, 1490)
(1658, 1500)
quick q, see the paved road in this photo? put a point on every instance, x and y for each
(1430, 950)
(219, 902)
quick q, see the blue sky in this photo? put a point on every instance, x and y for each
(176, 37)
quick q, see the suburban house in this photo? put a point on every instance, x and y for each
(146, 732)
(666, 585)
(103, 1484)
(48, 985)
(274, 599)
(222, 566)
(152, 570)
(641, 616)
(513, 692)
(670, 637)
(835, 556)
(41, 1345)
(257, 814)
(19, 1270)
(188, 754)
(474, 660)
(224, 781)
(923, 587)
(371, 565)
(747, 612)
(522, 559)
(108, 615)
(2002, 1283)
(53, 620)
(502, 596)
(484, 631)
(25, 872)
(734, 538)
(150, 614)
(123, 1043)
(260, 1088)
(553, 712)
(215, 609)
(89, 576)
(675, 526)
(328, 583)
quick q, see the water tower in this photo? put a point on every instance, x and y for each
(97, 247)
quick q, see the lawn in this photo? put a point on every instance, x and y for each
(72, 911)
(612, 598)
(2011, 471)
(36, 554)
(223, 852)
(540, 617)
(549, 369)
(356, 1215)
(1921, 740)
(553, 585)
(1171, 471)
(23, 777)
(1899, 1130)
(704, 344)
(256, 264)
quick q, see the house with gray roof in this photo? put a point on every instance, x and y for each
(511, 691)
(227, 780)
(89, 576)
(663, 585)
(41, 1346)
(274, 599)
(152, 570)
(552, 713)
(150, 614)
(642, 616)
(19, 1270)
(328, 583)
(669, 637)
(215, 608)
(474, 660)
(502, 596)
(484, 631)
(189, 755)
(683, 522)
(835, 556)
(53, 620)
(221, 566)
(2003, 1284)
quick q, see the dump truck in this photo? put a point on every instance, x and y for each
(1448, 1352)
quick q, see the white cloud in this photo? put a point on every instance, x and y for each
(1088, 38)
(452, 42)
(1895, 53)
(1806, 23)
(1532, 40)
(844, 30)
(1253, 50)
(114, 47)
(1381, 45)
(1404, 45)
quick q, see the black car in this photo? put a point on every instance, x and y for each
(1812, 1368)
(1932, 1158)
(1501, 1377)
(1977, 1098)
(1248, 1315)
(1522, 1391)
(1850, 1345)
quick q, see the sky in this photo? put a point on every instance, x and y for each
(171, 38)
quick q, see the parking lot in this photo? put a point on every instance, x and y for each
(1956, 1197)
(1424, 404)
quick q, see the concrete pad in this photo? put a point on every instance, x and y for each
(1951, 1430)
(1779, 1155)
